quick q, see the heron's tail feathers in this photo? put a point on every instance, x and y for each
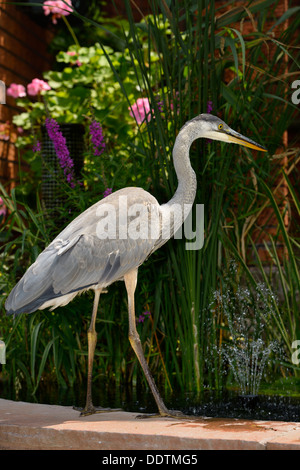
(33, 289)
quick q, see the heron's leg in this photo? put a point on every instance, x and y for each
(92, 341)
(130, 282)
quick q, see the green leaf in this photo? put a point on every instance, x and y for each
(242, 47)
(33, 349)
(235, 14)
(42, 364)
(81, 92)
(292, 191)
(283, 231)
(286, 15)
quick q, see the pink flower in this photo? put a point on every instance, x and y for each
(3, 209)
(140, 110)
(77, 62)
(36, 86)
(16, 91)
(58, 8)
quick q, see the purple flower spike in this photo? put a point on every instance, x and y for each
(107, 192)
(61, 150)
(143, 316)
(97, 138)
(160, 105)
(209, 107)
(37, 147)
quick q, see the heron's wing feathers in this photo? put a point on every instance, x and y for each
(81, 257)
(88, 262)
(91, 261)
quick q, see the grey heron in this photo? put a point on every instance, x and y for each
(95, 249)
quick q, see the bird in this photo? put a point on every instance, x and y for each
(110, 240)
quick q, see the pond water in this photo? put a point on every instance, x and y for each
(208, 404)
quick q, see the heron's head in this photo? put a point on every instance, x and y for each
(211, 127)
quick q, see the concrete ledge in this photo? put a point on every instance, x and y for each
(47, 427)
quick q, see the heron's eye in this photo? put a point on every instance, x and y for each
(220, 126)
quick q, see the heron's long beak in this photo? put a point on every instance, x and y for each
(240, 139)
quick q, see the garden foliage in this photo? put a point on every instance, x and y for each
(186, 58)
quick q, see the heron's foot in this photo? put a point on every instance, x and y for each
(165, 414)
(90, 410)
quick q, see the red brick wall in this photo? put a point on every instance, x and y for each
(140, 8)
(23, 56)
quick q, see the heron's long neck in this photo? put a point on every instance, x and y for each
(187, 182)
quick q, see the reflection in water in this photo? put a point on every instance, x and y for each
(208, 404)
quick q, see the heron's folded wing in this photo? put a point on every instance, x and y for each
(93, 261)
(81, 257)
